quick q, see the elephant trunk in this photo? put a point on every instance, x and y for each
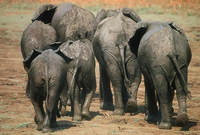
(180, 75)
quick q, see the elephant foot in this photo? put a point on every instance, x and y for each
(86, 115)
(36, 120)
(76, 118)
(152, 118)
(182, 119)
(131, 106)
(118, 112)
(107, 106)
(39, 126)
(165, 125)
(46, 130)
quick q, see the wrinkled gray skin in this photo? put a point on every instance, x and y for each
(38, 36)
(164, 55)
(117, 63)
(47, 75)
(81, 77)
(70, 21)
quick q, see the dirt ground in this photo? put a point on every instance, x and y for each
(16, 111)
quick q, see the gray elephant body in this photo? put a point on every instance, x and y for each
(81, 75)
(36, 36)
(47, 75)
(72, 22)
(112, 34)
(164, 55)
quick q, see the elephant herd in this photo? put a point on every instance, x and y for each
(59, 49)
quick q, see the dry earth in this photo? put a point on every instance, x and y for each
(16, 111)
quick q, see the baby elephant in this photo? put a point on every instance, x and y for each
(47, 75)
(80, 77)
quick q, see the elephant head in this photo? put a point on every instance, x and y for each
(44, 13)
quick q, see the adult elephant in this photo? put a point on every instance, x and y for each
(70, 21)
(37, 35)
(117, 63)
(164, 55)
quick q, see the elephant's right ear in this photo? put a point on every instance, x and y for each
(27, 62)
(45, 13)
(137, 34)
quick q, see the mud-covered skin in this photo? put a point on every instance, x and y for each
(164, 55)
(38, 36)
(72, 22)
(81, 76)
(112, 35)
(47, 76)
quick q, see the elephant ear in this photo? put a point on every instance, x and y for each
(45, 13)
(68, 51)
(27, 62)
(138, 32)
(131, 14)
(176, 28)
(55, 45)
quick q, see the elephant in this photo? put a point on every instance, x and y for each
(164, 54)
(70, 21)
(116, 62)
(47, 72)
(37, 35)
(80, 77)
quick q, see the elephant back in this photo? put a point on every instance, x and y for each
(37, 36)
(72, 22)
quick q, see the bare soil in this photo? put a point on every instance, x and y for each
(17, 113)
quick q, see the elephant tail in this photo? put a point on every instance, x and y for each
(122, 53)
(180, 75)
(46, 84)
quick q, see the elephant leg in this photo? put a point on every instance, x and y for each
(28, 88)
(76, 105)
(134, 75)
(87, 102)
(182, 117)
(38, 107)
(106, 100)
(151, 114)
(161, 87)
(63, 99)
(51, 108)
(171, 97)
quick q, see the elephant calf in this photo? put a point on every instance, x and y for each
(47, 75)
(164, 55)
(80, 77)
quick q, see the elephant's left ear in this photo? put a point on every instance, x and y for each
(131, 14)
(27, 62)
(176, 27)
(45, 13)
(55, 45)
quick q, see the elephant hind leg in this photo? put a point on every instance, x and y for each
(106, 99)
(38, 107)
(182, 117)
(161, 87)
(151, 114)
